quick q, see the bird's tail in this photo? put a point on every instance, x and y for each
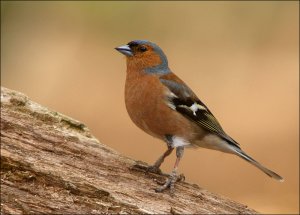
(246, 157)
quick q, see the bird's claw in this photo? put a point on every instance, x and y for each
(154, 169)
(141, 166)
(181, 177)
(169, 184)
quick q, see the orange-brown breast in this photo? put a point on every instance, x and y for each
(145, 99)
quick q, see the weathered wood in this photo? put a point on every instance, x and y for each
(51, 163)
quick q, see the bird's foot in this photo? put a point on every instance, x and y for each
(170, 182)
(139, 166)
(142, 166)
(154, 169)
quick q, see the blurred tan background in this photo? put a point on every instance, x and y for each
(241, 58)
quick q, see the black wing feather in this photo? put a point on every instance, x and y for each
(185, 97)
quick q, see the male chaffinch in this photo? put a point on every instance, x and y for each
(162, 105)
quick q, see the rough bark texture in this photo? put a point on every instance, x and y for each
(51, 163)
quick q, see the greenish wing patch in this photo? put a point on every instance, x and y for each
(212, 122)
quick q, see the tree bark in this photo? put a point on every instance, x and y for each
(51, 163)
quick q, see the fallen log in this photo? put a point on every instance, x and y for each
(51, 163)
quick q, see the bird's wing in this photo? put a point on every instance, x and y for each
(184, 101)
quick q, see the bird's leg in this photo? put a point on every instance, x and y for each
(155, 167)
(173, 178)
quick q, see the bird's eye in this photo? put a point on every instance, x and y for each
(143, 49)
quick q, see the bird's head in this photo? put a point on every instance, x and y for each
(146, 56)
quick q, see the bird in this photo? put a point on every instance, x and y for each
(163, 106)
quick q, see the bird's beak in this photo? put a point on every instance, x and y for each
(125, 50)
